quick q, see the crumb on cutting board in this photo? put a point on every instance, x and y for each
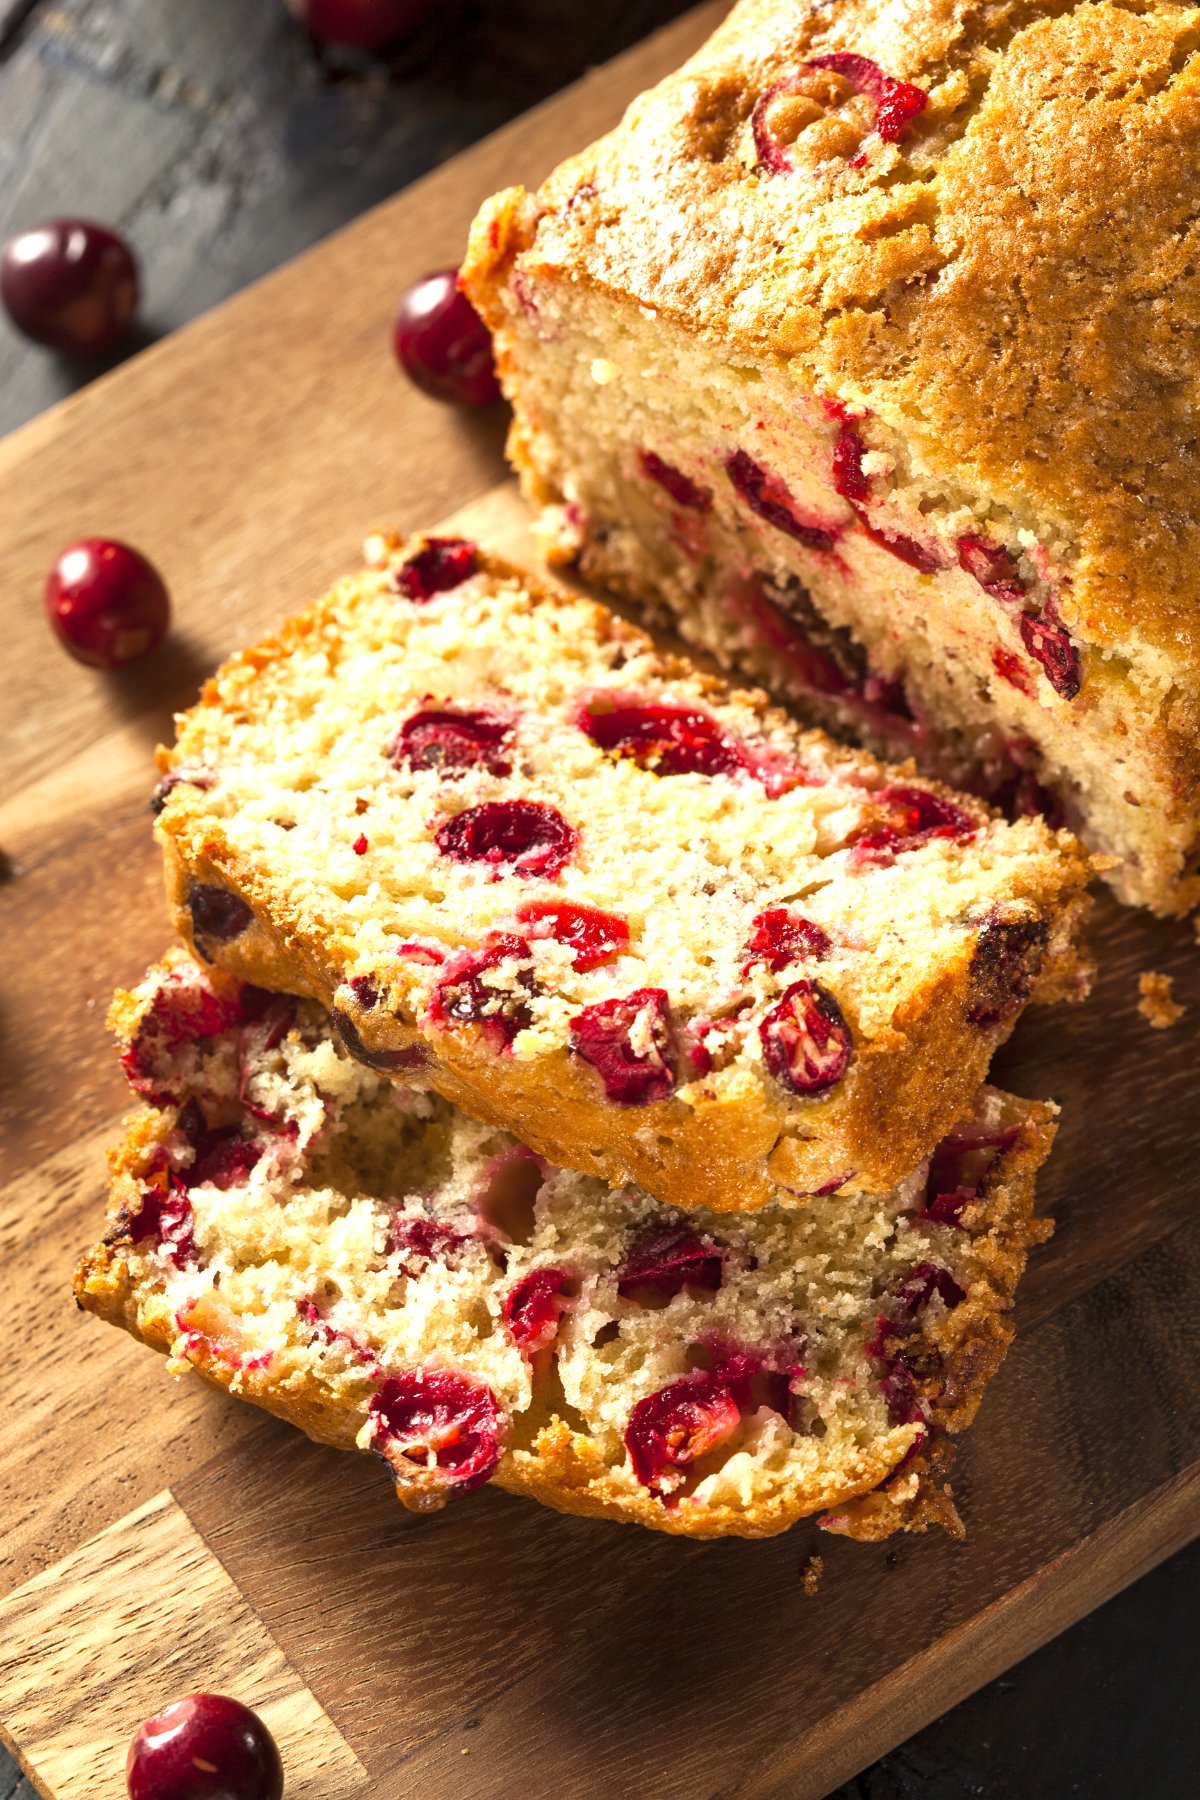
(810, 1575)
(1156, 1004)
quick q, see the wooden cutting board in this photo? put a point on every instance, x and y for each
(157, 1538)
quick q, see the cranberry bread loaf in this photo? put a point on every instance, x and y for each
(868, 344)
(369, 1263)
(641, 921)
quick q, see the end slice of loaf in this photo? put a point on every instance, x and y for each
(829, 350)
(367, 1262)
(638, 918)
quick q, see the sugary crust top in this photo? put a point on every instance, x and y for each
(1013, 283)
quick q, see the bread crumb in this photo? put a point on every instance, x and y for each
(810, 1575)
(1156, 1004)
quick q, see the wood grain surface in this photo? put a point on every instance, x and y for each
(248, 455)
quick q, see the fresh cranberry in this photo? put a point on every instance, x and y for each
(464, 997)
(1010, 668)
(443, 345)
(1049, 643)
(106, 603)
(207, 1747)
(782, 936)
(897, 103)
(438, 566)
(670, 740)
(1007, 959)
(593, 936)
(849, 477)
(451, 741)
(628, 1041)
(767, 496)
(525, 836)
(667, 1261)
(993, 567)
(217, 915)
(70, 284)
(682, 490)
(421, 1240)
(805, 1039)
(166, 1216)
(437, 1430)
(670, 1430)
(910, 817)
(532, 1309)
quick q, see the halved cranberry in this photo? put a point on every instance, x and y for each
(1049, 643)
(628, 1041)
(594, 936)
(464, 997)
(849, 477)
(918, 1288)
(217, 915)
(960, 1170)
(443, 345)
(223, 1159)
(670, 740)
(532, 1309)
(670, 1430)
(436, 1430)
(781, 936)
(1007, 960)
(1010, 668)
(166, 1216)
(806, 1041)
(993, 567)
(182, 1012)
(107, 604)
(766, 495)
(422, 1239)
(526, 837)
(206, 1747)
(439, 565)
(668, 1261)
(452, 741)
(683, 491)
(897, 103)
(912, 816)
(71, 285)
(191, 777)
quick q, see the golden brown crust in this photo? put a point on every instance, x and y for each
(1039, 190)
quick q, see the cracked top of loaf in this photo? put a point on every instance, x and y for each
(977, 220)
(638, 917)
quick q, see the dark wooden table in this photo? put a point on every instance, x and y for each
(210, 132)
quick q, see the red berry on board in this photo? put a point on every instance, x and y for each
(71, 285)
(443, 345)
(362, 24)
(107, 604)
(206, 1747)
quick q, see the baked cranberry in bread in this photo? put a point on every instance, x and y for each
(865, 348)
(641, 920)
(369, 1263)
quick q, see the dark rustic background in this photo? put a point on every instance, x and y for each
(210, 132)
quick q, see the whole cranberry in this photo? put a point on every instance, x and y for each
(70, 284)
(206, 1747)
(362, 24)
(443, 345)
(107, 604)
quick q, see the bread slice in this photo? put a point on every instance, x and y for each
(367, 1262)
(866, 346)
(642, 921)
